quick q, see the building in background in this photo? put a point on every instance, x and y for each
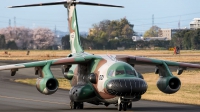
(139, 38)
(195, 23)
(165, 33)
(168, 33)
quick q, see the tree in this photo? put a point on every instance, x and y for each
(2, 42)
(26, 38)
(21, 35)
(43, 38)
(182, 39)
(187, 40)
(104, 32)
(195, 40)
(65, 42)
(86, 43)
(152, 32)
(116, 28)
(12, 45)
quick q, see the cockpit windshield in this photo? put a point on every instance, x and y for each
(121, 69)
(119, 72)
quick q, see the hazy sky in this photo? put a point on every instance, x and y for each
(167, 13)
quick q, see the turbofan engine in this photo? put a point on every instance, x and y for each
(169, 84)
(47, 86)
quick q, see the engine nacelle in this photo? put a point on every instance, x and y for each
(47, 86)
(169, 84)
(68, 74)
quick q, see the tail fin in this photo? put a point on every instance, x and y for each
(75, 43)
(72, 19)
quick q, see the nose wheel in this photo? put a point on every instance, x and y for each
(122, 105)
(76, 105)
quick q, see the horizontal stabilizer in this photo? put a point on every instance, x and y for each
(66, 2)
(97, 4)
(40, 4)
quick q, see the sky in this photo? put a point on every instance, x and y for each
(167, 14)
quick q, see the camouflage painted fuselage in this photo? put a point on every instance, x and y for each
(126, 83)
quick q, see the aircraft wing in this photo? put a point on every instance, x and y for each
(134, 60)
(61, 61)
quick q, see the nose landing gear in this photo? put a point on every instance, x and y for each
(76, 105)
(124, 104)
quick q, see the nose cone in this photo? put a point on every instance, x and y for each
(126, 87)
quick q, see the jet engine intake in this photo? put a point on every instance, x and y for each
(47, 86)
(169, 84)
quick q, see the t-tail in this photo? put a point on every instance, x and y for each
(75, 42)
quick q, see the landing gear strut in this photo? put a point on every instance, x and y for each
(129, 106)
(76, 105)
(123, 105)
(119, 108)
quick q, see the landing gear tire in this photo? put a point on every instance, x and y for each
(73, 105)
(129, 106)
(76, 105)
(119, 108)
(80, 106)
(106, 104)
(125, 106)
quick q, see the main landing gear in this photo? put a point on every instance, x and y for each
(124, 105)
(76, 105)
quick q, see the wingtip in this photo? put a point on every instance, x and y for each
(10, 7)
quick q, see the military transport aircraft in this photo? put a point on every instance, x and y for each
(99, 79)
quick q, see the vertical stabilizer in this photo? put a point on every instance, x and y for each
(75, 43)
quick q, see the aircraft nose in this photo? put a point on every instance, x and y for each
(126, 87)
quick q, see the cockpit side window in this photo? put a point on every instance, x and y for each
(130, 72)
(111, 73)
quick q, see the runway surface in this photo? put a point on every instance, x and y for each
(16, 97)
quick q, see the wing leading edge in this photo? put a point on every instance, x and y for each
(134, 60)
(61, 61)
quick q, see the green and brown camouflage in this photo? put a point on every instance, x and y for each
(99, 79)
(73, 28)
